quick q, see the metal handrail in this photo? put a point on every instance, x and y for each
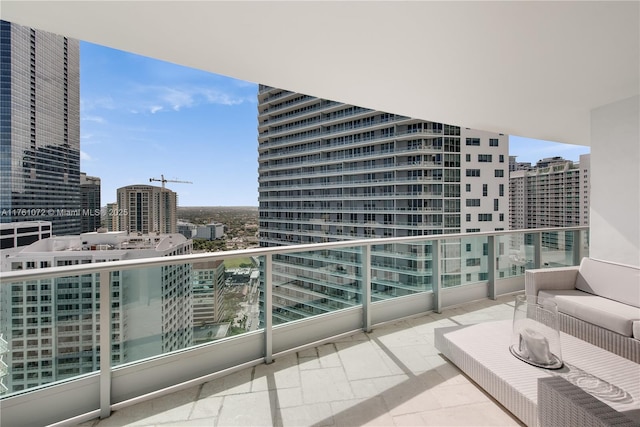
(110, 266)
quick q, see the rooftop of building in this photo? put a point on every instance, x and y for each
(145, 187)
(23, 224)
(104, 240)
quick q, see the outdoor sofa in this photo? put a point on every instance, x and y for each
(598, 302)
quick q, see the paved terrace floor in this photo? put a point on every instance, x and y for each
(393, 376)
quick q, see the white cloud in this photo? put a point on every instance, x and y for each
(85, 156)
(214, 97)
(165, 98)
(161, 98)
(244, 84)
(177, 98)
(104, 102)
(88, 139)
(151, 99)
(96, 119)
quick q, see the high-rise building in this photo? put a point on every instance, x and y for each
(147, 209)
(111, 217)
(39, 128)
(52, 325)
(554, 193)
(515, 165)
(90, 202)
(330, 171)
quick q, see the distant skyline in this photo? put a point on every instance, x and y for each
(531, 150)
(142, 118)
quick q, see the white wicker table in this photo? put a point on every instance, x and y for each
(595, 387)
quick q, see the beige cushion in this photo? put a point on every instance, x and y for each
(613, 281)
(636, 329)
(603, 312)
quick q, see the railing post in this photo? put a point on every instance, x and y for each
(435, 273)
(105, 344)
(577, 247)
(491, 266)
(366, 288)
(268, 316)
(537, 249)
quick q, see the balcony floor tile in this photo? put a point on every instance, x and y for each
(206, 408)
(316, 414)
(325, 385)
(289, 397)
(249, 409)
(371, 412)
(283, 373)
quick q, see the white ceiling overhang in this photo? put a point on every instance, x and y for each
(534, 69)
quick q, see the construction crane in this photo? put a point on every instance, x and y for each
(164, 181)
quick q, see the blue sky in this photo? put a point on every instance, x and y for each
(141, 118)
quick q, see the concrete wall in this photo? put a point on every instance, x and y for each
(615, 182)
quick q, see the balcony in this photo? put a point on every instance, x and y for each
(356, 139)
(390, 376)
(346, 342)
(513, 96)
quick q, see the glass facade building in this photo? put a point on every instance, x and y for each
(90, 196)
(39, 128)
(329, 171)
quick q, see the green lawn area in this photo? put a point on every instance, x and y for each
(235, 262)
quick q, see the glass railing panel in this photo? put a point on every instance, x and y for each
(51, 330)
(152, 312)
(529, 249)
(514, 255)
(51, 326)
(237, 301)
(464, 261)
(164, 309)
(399, 269)
(584, 242)
(309, 283)
(557, 249)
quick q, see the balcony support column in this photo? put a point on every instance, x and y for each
(268, 316)
(105, 344)
(366, 288)
(577, 246)
(491, 266)
(435, 279)
(537, 249)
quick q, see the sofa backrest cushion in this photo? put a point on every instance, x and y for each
(614, 281)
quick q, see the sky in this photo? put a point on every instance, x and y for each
(141, 118)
